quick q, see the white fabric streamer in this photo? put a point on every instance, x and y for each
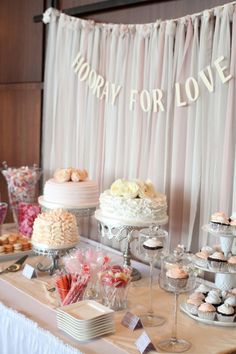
(188, 152)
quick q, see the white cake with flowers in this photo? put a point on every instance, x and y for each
(56, 228)
(133, 200)
(70, 188)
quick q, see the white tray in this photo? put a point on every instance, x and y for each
(4, 257)
(208, 322)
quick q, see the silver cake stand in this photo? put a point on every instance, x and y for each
(54, 254)
(123, 230)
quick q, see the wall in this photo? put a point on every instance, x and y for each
(21, 70)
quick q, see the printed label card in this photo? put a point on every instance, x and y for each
(29, 272)
(144, 343)
(131, 321)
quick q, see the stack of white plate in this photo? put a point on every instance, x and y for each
(85, 320)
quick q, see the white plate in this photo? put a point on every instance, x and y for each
(209, 322)
(85, 310)
(87, 337)
(86, 331)
(85, 324)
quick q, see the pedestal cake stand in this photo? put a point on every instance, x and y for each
(111, 227)
(53, 254)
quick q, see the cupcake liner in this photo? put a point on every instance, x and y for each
(177, 283)
(206, 315)
(232, 268)
(225, 318)
(217, 266)
(193, 309)
(217, 227)
(201, 262)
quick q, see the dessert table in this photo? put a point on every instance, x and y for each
(28, 318)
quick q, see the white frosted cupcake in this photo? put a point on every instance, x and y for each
(213, 298)
(153, 244)
(219, 222)
(206, 311)
(225, 313)
(192, 305)
(203, 289)
(207, 249)
(232, 264)
(231, 300)
(217, 262)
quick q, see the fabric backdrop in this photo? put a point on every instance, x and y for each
(187, 152)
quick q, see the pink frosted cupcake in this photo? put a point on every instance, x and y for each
(200, 258)
(177, 277)
(192, 305)
(219, 222)
(232, 264)
(197, 296)
(206, 311)
(217, 262)
(225, 313)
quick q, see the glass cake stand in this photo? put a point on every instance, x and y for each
(123, 230)
(54, 254)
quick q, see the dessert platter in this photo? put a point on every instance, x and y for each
(216, 306)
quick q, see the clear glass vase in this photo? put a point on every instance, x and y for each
(21, 185)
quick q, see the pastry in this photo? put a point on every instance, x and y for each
(8, 248)
(217, 262)
(206, 311)
(192, 305)
(153, 244)
(225, 313)
(177, 277)
(219, 222)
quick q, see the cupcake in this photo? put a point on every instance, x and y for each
(225, 313)
(219, 222)
(197, 296)
(207, 249)
(213, 298)
(232, 264)
(200, 258)
(177, 277)
(232, 291)
(217, 262)
(192, 305)
(203, 289)
(231, 300)
(206, 311)
(153, 244)
(232, 220)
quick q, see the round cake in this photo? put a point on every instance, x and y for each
(56, 228)
(70, 188)
(133, 200)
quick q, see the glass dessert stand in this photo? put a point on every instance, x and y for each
(177, 276)
(115, 228)
(224, 279)
(54, 254)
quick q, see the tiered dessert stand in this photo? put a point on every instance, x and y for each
(224, 279)
(118, 229)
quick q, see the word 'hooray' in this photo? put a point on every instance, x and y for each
(154, 99)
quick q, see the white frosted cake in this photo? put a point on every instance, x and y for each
(70, 188)
(56, 228)
(134, 200)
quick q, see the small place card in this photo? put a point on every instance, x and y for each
(144, 343)
(29, 272)
(131, 321)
